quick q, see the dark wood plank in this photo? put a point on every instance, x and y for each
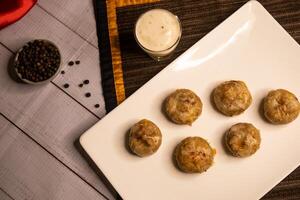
(50, 118)
(29, 172)
(288, 189)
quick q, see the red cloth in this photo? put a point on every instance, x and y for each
(13, 10)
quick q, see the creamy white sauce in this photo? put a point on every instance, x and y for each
(157, 30)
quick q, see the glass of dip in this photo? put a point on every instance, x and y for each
(158, 32)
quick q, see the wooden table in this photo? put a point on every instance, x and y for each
(40, 125)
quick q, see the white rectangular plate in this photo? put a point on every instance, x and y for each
(250, 46)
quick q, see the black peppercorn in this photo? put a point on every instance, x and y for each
(87, 94)
(86, 82)
(71, 63)
(97, 105)
(80, 85)
(77, 62)
(66, 85)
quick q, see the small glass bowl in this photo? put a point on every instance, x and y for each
(159, 55)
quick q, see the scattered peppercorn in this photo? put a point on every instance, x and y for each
(37, 61)
(86, 82)
(71, 63)
(87, 94)
(97, 105)
(62, 72)
(77, 62)
(66, 85)
(80, 85)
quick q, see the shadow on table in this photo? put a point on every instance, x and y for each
(97, 170)
(11, 70)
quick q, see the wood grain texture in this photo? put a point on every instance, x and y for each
(50, 118)
(115, 50)
(4, 195)
(111, 8)
(78, 16)
(123, 3)
(29, 172)
(288, 189)
(39, 24)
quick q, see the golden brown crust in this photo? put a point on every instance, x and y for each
(243, 139)
(194, 155)
(183, 106)
(144, 138)
(281, 106)
(232, 97)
